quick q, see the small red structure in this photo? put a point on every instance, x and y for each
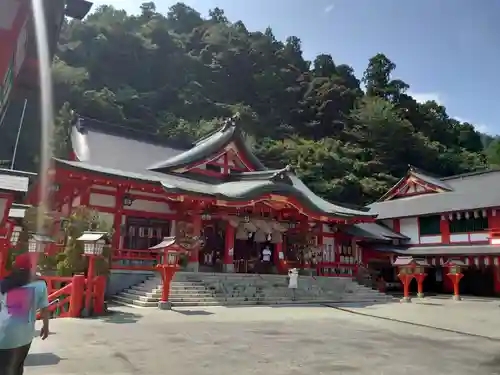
(168, 267)
(455, 274)
(410, 268)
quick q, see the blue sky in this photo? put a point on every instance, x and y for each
(446, 50)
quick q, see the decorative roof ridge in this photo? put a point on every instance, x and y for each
(471, 174)
(228, 124)
(83, 124)
(412, 168)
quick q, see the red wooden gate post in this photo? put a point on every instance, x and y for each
(76, 300)
(99, 294)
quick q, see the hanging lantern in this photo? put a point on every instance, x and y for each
(260, 236)
(232, 220)
(279, 227)
(250, 226)
(276, 237)
(241, 233)
(264, 226)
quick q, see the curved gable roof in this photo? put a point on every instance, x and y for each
(210, 146)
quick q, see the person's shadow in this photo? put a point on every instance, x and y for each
(42, 359)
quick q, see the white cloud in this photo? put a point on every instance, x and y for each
(479, 127)
(329, 8)
(422, 97)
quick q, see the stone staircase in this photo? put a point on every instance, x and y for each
(219, 289)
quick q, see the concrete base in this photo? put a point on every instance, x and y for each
(420, 295)
(228, 268)
(193, 267)
(164, 305)
(457, 298)
(405, 300)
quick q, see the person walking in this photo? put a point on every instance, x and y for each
(21, 296)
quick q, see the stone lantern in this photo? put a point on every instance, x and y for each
(410, 268)
(455, 267)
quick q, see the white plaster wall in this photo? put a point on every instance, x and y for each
(103, 200)
(430, 239)
(459, 237)
(76, 201)
(409, 227)
(479, 237)
(150, 206)
(326, 229)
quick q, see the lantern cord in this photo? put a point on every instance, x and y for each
(47, 112)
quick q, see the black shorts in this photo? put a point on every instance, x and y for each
(12, 360)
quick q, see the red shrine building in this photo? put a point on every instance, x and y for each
(443, 218)
(249, 218)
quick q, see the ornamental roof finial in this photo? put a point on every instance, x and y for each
(231, 121)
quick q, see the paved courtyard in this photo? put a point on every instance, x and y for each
(256, 340)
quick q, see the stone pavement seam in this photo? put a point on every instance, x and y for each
(413, 323)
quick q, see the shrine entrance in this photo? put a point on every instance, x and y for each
(212, 251)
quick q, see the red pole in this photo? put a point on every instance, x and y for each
(455, 278)
(76, 299)
(100, 290)
(90, 280)
(4, 255)
(406, 279)
(420, 284)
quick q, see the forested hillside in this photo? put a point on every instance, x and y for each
(176, 75)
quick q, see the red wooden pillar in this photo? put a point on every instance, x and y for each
(444, 226)
(117, 221)
(229, 249)
(194, 255)
(76, 299)
(99, 294)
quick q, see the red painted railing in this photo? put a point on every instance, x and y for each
(67, 301)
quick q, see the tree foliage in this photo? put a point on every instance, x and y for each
(70, 260)
(178, 74)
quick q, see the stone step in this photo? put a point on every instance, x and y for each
(134, 302)
(172, 293)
